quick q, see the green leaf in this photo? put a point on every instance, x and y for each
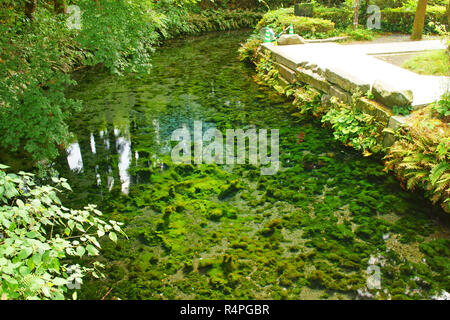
(24, 253)
(437, 172)
(71, 224)
(92, 251)
(32, 234)
(2, 166)
(81, 251)
(66, 186)
(113, 236)
(3, 261)
(37, 258)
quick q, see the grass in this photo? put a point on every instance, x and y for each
(436, 63)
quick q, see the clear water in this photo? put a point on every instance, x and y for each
(221, 232)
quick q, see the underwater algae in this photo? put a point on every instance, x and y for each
(227, 232)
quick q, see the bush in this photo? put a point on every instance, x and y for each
(420, 158)
(401, 19)
(393, 18)
(342, 17)
(37, 233)
(360, 34)
(331, 3)
(304, 26)
(249, 49)
(442, 106)
(221, 20)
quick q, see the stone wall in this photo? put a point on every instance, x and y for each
(337, 83)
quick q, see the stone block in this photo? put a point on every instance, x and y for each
(288, 39)
(375, 109)
(346, 81)
(313, 79)
(342, 95)
(391, 97)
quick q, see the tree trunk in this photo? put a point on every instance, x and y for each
(30, 9)
(356, 15)
(60, 6)
(419, 20)
(448, 13)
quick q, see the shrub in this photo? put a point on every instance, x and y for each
(37, 232)
(394, 18)
(342, 17)
(401, 19)
(248, 50)
(360, 34)
(305, 26)
(354, 128)
(442, 107)
(220, 20)
(331, 3)
(420, 157)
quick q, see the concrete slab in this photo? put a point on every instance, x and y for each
(397, 47)
(353, 62)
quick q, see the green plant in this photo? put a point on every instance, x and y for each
(401, 19)
(249, 49)
(342, 17)
(279, 19)
(360, 34)
(268, 75)
(307, 101)
(404, 111)
(369, 94)
(354, 128)
(420, 157)
(435, 63)
(38, 234)
(442, 107)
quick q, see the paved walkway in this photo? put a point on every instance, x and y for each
(357, 63)
(397, 47)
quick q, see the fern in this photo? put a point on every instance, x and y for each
(437, 172)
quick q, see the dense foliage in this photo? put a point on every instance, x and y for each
(37, 233)
(442, 107)
(279, 19)
(420, 157)
(354, 128)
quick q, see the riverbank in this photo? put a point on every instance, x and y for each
(366, 118)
